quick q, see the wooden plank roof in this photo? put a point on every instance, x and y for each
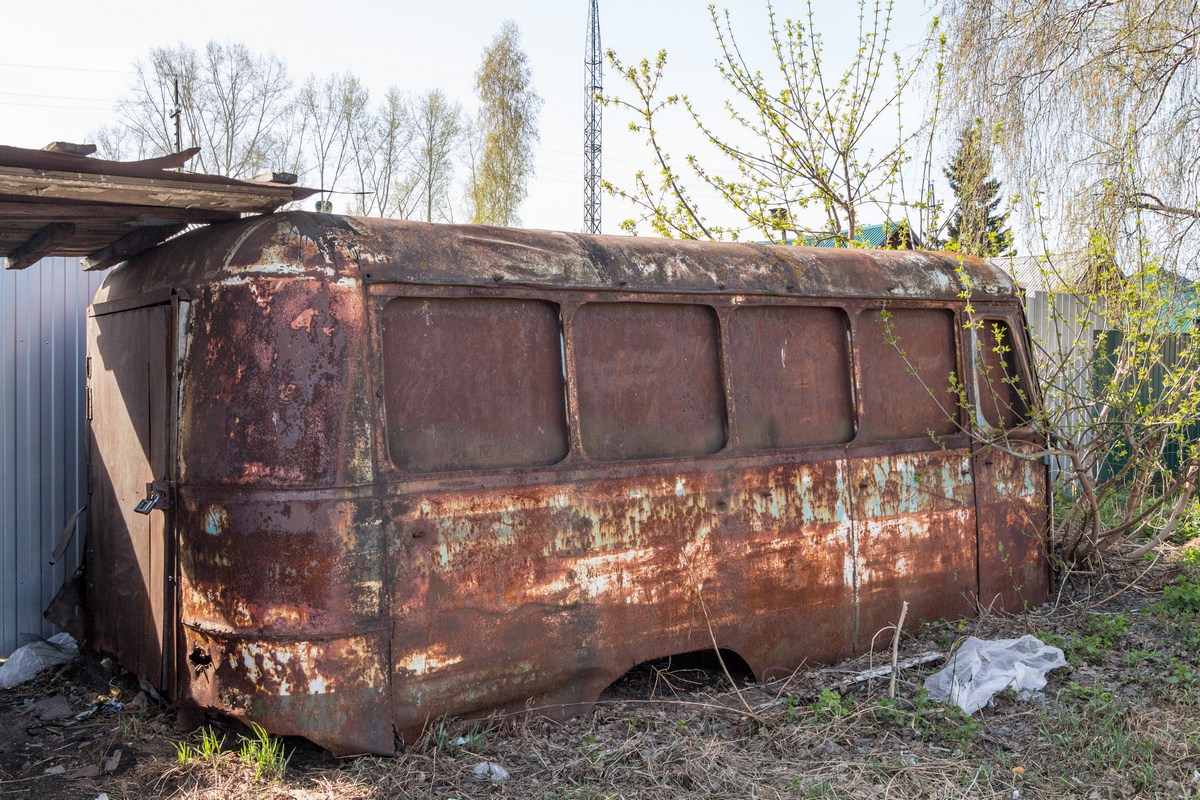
(60, 201)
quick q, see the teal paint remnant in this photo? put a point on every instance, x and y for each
(214, 521)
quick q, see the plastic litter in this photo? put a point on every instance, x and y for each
(490, 769)
(980, 669)
(27, 661)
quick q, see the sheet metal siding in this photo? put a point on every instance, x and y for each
(42, 460)
(1063, 328)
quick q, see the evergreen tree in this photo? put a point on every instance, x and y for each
(976, 226)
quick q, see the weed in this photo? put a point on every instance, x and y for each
(830, 705)
(930, 720)
(207, 752)
(264, 753)
(820, 791)
(592, 752)
(1181, 674)
(1182, 597)
(791, 709)
(1189, 558)
(1188, 527)
(1135, 658)
(473, 740)
(1092, 726)
(1108, 627)
(1101, 633)
(440, 738)
(944, 632)
(131, 726)
(1052, 639)
(1183, 631)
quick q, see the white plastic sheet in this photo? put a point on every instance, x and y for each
(27, 661)
(979, 670)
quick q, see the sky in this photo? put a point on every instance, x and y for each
(62, 71)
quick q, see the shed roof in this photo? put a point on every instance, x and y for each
(59, 201)
(1065, 272)
(894, 234)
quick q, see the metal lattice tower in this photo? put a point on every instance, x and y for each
(593, 62)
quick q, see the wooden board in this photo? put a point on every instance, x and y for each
(58, 201)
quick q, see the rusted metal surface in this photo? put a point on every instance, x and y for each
(790, 376)
(441, 365)
(648, 380)
(128, 388)
(350, 567)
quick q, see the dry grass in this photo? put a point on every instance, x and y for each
(1119, 723)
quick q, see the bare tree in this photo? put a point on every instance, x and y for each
(234, 105)
(119, 143)
(508, 125)
(381, 142)
(330, 112)
(437, 132)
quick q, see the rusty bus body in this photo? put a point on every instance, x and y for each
(403, 470)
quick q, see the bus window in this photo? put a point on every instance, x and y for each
(791, 377)
(473, 383)
(908, 366)
(1003, 399)
(648, 380)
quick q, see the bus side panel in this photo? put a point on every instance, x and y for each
(915, 521)
(554, 592)
(800, 565)
(281, 605)
(1014, 572)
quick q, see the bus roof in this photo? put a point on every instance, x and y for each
(402, 251)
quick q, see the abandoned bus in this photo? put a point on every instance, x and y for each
(350, 475)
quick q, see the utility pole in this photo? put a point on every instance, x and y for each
(593, 62)
(177, 114)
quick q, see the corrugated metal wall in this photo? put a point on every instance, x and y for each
(1064, 328)
(42, 469)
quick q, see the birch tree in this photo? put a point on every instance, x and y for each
(332, 113)
(508, 115)
(381, 145)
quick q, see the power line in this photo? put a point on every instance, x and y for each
(576, 154)
(60, 97)
(109, 107)
(69, 69)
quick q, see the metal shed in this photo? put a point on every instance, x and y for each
(42, 429)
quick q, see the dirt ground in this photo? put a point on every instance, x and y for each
(1118, 722)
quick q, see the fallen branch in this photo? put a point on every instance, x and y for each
(879, 672)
